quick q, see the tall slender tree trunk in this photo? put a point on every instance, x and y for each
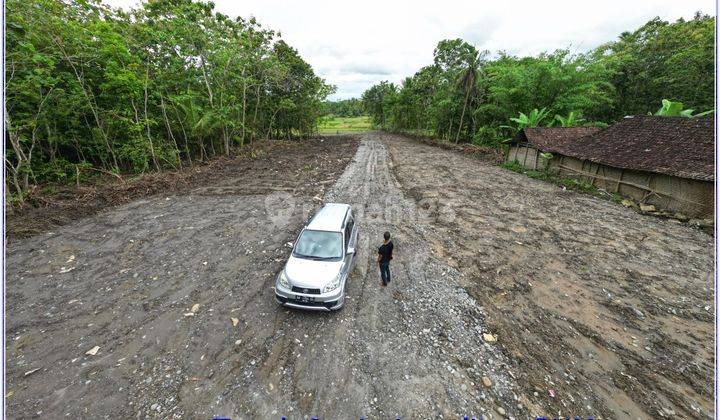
(78, 150)
(23, 156)
(185, 137)
(169, 129)
(244, 96)
(255, 113)
(10, 210)
(205, 78)
(462, 115)
(147, 120)
(203, 152)
(210, 99)
(270, 128)
(226, 140)
(52, 150)
(19, 155)
(90, 101)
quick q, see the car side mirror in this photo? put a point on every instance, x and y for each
(351, 250)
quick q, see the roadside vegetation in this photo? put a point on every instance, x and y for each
(91, 89)
(567, 182)
(467, 95)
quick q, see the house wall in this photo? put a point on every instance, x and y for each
(691, 197)
(528, 157)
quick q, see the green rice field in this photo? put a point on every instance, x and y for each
(340, 125)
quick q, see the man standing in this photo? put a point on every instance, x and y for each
(384, 257)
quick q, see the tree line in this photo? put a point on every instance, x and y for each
(163, 85)
(465, 95)
(352, 107)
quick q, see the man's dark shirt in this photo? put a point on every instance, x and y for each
(385, 252)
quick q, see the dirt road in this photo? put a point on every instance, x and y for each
(598, 311)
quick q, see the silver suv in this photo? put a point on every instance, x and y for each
(322, 257)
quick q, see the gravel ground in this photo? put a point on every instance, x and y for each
(603, 312)
(509, 298)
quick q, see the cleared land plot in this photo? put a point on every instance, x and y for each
(597, 311)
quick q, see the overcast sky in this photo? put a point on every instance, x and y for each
(354, 45)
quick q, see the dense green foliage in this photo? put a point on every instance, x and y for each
(344, 108)
(662, 60)
(167, 83)
(464, 95)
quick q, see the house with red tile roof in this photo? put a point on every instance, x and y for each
(666, 162)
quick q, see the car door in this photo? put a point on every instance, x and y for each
(350, 236)
(354, 240)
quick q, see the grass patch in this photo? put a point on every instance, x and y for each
(513, 166)
(569, 183)
(339, 125)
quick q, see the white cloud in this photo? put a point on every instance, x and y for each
(356, 44)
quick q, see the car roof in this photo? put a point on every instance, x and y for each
(329, 218)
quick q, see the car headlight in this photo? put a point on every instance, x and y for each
(334, 284)
(283, 280)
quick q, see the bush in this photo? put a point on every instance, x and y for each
(136, 152)
(513, 166)
(56, 170)
(487, 136)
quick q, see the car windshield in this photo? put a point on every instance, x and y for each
(316, 244)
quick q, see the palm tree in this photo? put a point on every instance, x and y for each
(467, 83)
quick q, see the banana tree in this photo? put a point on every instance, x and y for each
(532, 119)
(571, 120)
(675, 109)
